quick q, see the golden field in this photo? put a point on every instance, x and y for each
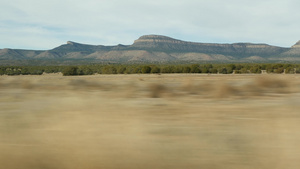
(169, 121)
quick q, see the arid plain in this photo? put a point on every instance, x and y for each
(169, 121)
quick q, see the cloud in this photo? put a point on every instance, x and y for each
(47, 24)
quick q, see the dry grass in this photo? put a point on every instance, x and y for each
(166, 121)
(157, 90)
(81, 84)
(225, 90)
(275, 85)
(258, 86)
(221, 89)
(26, 84)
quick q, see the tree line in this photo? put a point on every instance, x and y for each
(241, 68)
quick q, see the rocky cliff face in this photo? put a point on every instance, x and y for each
(157, 48)
(167, 44)
(150, 39)
(297, 45)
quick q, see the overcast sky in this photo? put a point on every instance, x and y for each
(45, 24)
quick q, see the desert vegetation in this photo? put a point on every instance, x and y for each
(243, 68)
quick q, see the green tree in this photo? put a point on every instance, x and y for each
(109, 70)
(255, 70)
(87, 71)
(289, 70)
(155, 69)
(222, 70)
(25, 71)
(167, 69)
(229, 70)
(208, 66)
(121, 70)
(231, 66)
(186, 69)
(2, 72)
(264, 67)
(137, 69)
(146, 69)
(238, 67)
(195, 68)
(70, 71)
(279, 70)
(204, 70)
(244, 70)
(214, 70)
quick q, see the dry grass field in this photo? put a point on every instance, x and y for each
(168, 121)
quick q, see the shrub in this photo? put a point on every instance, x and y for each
(214, 70)
(195, 69)
(121, 70)
(289, 70)
(244, 70)
(223, 70)
(186, 69)
(109, 70)
(146, 69)
(279, 70)
(155, 69)
(204, 70)
(70, 71)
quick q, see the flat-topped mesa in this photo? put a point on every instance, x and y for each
(167, 44)
(156, 38)
(71, 43)
(297, 45)
(147, 39)
(75, 43)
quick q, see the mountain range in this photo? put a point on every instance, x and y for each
(154, 49)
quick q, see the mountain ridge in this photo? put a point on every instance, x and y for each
(158, 49)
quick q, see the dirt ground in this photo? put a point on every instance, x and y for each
(168, 121)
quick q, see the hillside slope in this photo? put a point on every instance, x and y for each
(157, 48)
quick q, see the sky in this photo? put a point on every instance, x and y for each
(46, 24)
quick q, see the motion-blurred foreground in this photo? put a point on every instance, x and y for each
(150, 121)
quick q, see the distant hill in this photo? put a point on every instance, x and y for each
(154, 49)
